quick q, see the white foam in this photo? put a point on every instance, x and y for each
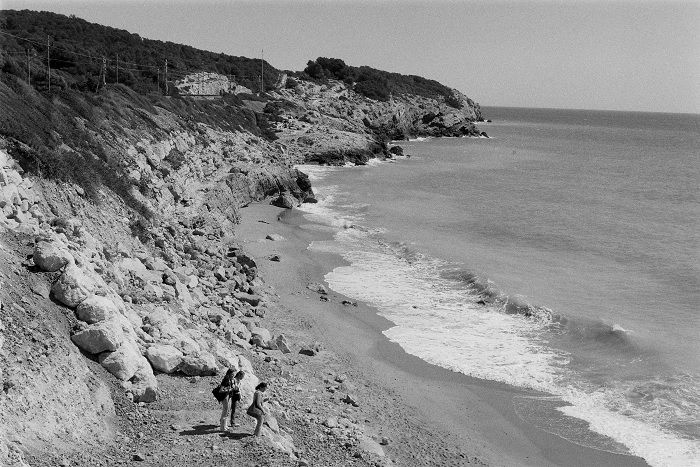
(657, 446)
(438, 321)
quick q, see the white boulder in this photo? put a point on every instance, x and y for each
(143, 386)
(123, 362)
(199, 364)
(73, 286)
(164, 358)
(99, 337)
(96, 308)
(51, 256)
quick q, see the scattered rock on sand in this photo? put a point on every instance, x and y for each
(349, 399)
(275, 238)
(282, 344)
(310, 350)
(367, 444)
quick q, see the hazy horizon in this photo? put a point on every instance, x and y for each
(633, 56)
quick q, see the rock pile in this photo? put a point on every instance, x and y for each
(179, 311)
(18, 200)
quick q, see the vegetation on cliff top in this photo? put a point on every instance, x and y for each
(77, 48)
(378, 84)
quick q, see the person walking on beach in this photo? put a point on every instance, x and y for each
(236, 394)
(256, 409)
(226, 390)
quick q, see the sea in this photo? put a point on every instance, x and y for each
(562, 255)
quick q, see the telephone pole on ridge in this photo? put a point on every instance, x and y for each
(166, 76)
(29, 70)
(104, 71)
(48, 60)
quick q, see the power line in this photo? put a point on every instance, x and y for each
(174, 73)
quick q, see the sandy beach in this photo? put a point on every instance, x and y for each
(430, 415)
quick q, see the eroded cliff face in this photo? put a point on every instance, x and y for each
(330, 123)
(123, 264)
(117, 236)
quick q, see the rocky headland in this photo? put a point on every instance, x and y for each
(329, 123)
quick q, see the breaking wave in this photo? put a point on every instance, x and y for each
(462, 321)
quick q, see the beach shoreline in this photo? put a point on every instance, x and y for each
(473, 420)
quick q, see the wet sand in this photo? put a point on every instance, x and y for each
(476, 416)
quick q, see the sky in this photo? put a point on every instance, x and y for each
(610, 55)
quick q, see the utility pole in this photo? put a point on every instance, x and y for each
(29, 70)
(117, 68)
(262, 70)
(166, 76)
(104, 71)
(158, 78)
(48, 60)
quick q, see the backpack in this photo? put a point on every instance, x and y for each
(219, 394)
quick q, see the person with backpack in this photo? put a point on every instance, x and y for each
(225, 393)
(256, 409)
(235, 394)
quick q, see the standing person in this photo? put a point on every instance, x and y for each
(226, 387)
(256, 409)
(236, 394)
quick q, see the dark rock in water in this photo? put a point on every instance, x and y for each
(488, 121)
(310, 199)
(303, 181)
(275, 258)
(317, 288)
(481, 302)
(323, 298)
(139, 457)
(284, 200)
(396, 150)
(483, 133)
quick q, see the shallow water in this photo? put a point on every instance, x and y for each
(561, 255)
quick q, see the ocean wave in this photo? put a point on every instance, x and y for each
(462, 321)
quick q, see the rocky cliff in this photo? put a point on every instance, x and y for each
(117, 238)
(331, 123)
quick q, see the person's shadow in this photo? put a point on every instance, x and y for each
(200, 430)
(235, 436)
